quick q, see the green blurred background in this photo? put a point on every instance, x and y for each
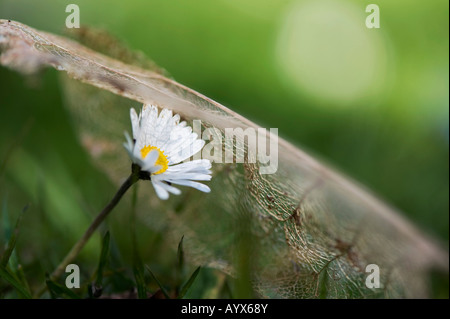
(373, 103)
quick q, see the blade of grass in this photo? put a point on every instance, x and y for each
(133, 222)
(118, 278)
(103, 259)
(120, 281)
(157, 281)
(180, 265)
(12, 236)
(323, 284)
(57, 290)
(10, 278)
(138, 266)
(21, 276)
(9, 256)
(189, 283)
(180, 255)
(140, 282)
(95, 289)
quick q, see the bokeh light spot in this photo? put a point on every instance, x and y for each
(325, 50)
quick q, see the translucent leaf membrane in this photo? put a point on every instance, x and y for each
(303, 232)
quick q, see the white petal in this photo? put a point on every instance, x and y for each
(153, 169)
(128, 138)
(165, 114)
(129, 145)
(149, 115)
(187, 176)
(170, 189)
(160, 190)
(137, 153)
(196, 165)
(199, 186)
(179, 136)
(187, 151)
(150, 159)
(160, 133)
(134, 123)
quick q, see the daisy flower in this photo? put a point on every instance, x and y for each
(160, 143)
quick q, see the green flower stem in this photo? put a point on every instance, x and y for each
(133, 178)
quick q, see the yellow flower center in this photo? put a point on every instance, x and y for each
(162, 159)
